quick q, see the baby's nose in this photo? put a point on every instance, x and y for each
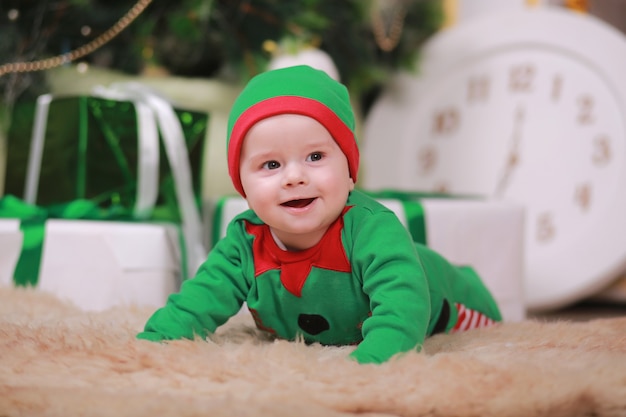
(295, 174)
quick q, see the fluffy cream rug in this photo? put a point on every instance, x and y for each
(58, 361)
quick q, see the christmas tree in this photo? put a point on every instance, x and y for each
(209, 38)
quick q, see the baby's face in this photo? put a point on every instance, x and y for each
(295, 178)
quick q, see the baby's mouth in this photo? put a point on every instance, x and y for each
(299, 203)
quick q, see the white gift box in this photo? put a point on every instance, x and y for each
(100, 264)
(485, 234)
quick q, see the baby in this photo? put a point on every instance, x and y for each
(314, 257)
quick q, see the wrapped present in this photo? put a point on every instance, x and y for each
(93, 147)
(123, 145)
(484, 234)
(95, 264)
(212, 96)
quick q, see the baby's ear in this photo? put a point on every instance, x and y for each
(351, 182)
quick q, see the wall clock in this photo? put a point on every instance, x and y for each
(528, 106)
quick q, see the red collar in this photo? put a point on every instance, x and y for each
(295, 266)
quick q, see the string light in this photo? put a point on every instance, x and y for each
(13, 14)
(48, 63)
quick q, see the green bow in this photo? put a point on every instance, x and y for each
(32, 224)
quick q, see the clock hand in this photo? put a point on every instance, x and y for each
(513, 157)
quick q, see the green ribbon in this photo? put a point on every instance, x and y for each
(32, 224)
(415, 218)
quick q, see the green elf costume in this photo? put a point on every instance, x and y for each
(366, 283)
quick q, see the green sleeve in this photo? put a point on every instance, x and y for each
(207, 300)
(394, 280)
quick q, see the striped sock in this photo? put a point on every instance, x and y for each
(470, 319)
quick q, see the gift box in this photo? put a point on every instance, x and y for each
(212, 96)
(484, 234)
(123, 145)
(99, 264)
(90, 147)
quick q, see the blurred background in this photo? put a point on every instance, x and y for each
(236, 39)
(232, 40)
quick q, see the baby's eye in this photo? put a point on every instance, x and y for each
(315, 156)
(271, 165)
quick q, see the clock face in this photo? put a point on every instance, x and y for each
(530, 122)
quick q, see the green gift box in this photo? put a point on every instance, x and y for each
(91, 151)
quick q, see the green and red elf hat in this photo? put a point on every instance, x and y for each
(292, 90)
